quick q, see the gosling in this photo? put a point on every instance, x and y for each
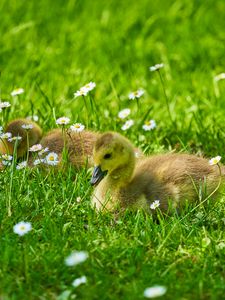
(121, 181)
(78, 146)
(25, 137)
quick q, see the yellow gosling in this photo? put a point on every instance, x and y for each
(123, 182)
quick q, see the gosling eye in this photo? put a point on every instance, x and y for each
(107, 155)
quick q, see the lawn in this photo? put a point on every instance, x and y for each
(51, 49)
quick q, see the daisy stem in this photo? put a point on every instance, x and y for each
(82, 144)
(10, 192)
(137, 102)
(94, 108)
(25, 263)
(166, 98)
(85, 103)
(64, 154)
(11, 182)
(28, 145)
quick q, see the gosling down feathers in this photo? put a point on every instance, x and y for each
(27, 137)
(78, 145)
(121, 181)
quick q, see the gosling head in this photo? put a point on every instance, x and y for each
(111, 152)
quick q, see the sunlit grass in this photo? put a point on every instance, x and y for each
(51, 50)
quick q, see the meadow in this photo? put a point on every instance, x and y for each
(51, 49)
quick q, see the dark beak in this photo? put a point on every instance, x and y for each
(97, 175)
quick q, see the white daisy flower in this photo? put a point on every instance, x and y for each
(17, 92)
(78, 199)
(27, 126)
(156, 67)
(38, 161)
(7, 157)
(215, 160)
(21, 165)
(84, 90)
(77, 127)
(137, 154)
(6, 162)
(35, 148)
(220, 246)
(6, 135)
(34, 118)
(22, 228)
(75, 258)
(79, 281)
(124, 113)
(136, 94)
(44, 150)
(52, 159)
(127, 124)
(219, 77)
(63, 121)
(4, 105)
(155, 204)
(15, 138)
(149, 125)
(89, 86)
(155, 291)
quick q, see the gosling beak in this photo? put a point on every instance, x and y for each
(97, 175)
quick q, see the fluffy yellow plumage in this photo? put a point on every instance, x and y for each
(124, 182)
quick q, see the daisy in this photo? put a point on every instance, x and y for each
(21, 165)
(215, 160)
(76, 258)
(35, 118)
(15, 138)
(4, 105)
(89, 86)
(124, 113)
(78, 199)
(6, 135)
(79, 281)
(127, 124)
(84, 90)
(7, 157)
(27, 126)
(63, 121)
(155, 291)
(155, 204)
(149, 125)
(35, 148)
(219, 77)
(22, 228)
(38, 161)
(77, 127)
(6, 162)
(44, 150)
(156, 67)
(52, 159)
(136, 94)
(17, 92)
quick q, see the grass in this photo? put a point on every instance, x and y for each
(51, 49)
